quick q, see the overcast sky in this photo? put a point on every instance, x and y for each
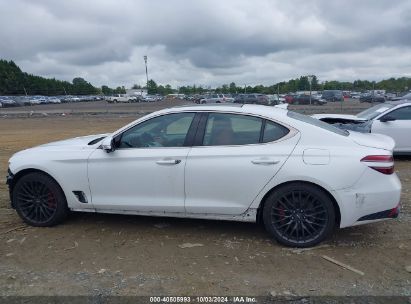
(207, 42)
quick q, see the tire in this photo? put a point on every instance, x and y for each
(299, 215)
(39, 200)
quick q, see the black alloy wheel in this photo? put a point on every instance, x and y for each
(299, 215)
(39, 200)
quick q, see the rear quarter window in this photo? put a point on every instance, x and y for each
(318, 123)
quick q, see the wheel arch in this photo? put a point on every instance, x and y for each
(264, 199)
(21, 173)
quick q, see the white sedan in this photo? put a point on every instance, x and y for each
(392, 118)
(299, 176)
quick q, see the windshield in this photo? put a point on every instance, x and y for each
(374, 111)
(317, 123)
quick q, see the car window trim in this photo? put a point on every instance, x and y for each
(200, 133)
(192, 130)
(262, 130)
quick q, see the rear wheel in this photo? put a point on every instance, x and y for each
(39, 200)
(299, 215)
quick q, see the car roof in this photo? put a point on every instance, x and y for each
(261, 110)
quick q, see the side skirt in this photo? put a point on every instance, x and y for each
(249, 216)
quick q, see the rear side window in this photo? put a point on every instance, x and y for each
(236, 129)
(232, 129)
(317, 123)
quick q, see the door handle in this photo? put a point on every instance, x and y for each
(168, 162)
(265, 162)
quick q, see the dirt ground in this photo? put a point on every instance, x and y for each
(94, 254)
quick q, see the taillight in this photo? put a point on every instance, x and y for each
(381, 163)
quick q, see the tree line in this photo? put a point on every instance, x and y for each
(15, 82)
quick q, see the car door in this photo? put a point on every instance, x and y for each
(146, 170)
(398, 127)
(233, 158)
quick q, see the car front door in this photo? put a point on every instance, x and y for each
(146, 171)
(397, 126)
(234, 156)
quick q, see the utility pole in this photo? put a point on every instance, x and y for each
(25, 92)
(310, 79)
(145, 61)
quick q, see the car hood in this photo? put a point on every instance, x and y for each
(75, 142)
(372, 140)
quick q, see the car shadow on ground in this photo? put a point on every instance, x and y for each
(198, 229)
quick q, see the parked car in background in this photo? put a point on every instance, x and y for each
(273, 99)
(369, 97)
(7, 102)
(332, 95)
(149, 98)
(392, 118)
(261, 99)
(121, 98)
(53, 100)
(406, 96)
(217, 98)
(305, 100)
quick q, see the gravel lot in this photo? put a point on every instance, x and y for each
(94, 254)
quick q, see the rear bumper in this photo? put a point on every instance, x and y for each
(386, 214)
(9, 182)
(374, 197)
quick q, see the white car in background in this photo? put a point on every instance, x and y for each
(392, 118)
(54, 100)
(297, 175)
(217, 98)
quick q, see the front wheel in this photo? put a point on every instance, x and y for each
(39, 200)
(299, 215)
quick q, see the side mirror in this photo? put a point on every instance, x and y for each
(387, 118)
(108, 144)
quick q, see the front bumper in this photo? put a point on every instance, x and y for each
(9, 182)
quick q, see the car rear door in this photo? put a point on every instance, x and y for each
(399, 128)
(234, 156)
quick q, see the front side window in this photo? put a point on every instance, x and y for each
(163, 131)
(401, 113)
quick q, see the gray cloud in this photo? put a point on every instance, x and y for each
(207, 42)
